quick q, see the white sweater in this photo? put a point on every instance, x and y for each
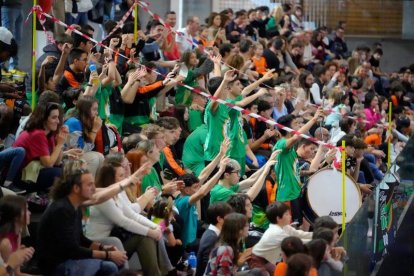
(118, 211)
(269, 245)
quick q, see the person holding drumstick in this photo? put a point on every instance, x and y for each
(288, 176)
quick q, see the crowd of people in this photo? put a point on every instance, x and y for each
(125, 155)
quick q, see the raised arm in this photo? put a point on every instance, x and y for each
(220, 92)
(251, 98)
(255, 189)
(205, 173)
(254, 85)
(104, 194)
(292, 140)
(129, 91)
(206, 188)
(62, 61)
(42, 73)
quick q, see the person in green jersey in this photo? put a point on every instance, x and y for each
(229, 181)
(287, 168)
(193, 153)
(196, 111)
(223, 121)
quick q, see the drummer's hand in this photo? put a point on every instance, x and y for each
(366, 188)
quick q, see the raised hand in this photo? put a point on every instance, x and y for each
(230, 75)
(224, 146)
(113, 42)
(62, 135)
(223, 163)
(274, 155)
(48, 59)
(268, 75)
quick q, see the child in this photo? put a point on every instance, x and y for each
(258, 60)
(267, 252)
(291, 246)
(224, 259)
(163, 214)
(215, 215)
(15, 216)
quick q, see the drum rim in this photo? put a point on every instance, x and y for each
(352, 180)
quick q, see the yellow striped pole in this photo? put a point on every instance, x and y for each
(34, 56)
(136, 22)
(389, 135)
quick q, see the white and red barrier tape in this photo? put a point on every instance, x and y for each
(198, 91)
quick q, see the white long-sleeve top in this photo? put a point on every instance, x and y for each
(118, 211)
(269, 245)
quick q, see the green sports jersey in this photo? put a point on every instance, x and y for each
(236, 135)
(182, 94)
(195, 119)
(102, 95)
(222, 193)
(193, 153)
(287, 172)
(217, 123)
(151, 180)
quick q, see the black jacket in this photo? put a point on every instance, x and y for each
(60, 236)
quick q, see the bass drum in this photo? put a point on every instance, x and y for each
(323, 196)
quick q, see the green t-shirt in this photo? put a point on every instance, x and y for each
(102, 95)
(287, 172)
(151, 180)
(193, 153)
(222, 193)
(220, 124)
(182, 94)
(237, 135)
(195, 119)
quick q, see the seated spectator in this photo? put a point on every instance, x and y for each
(267, 252)
(62, 247)
(226, 257)
(216, 213)
(290, 246)
(15, 216)
(116, 216)
(11, 159)
(44, 127)
(84, 124)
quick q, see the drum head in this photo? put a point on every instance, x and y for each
(324, 195)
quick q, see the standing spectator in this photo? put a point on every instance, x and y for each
(172, 52)
(12, 19)
(76, 12)
(186, 36)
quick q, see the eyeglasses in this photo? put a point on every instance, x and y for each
(237, 172)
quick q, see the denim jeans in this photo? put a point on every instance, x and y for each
(81, 18)
(12, 19)
(86, 267)
(12, 159)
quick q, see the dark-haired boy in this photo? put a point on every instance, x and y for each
(215, 215)
(287, 168)
(193, 191)
(267, 252)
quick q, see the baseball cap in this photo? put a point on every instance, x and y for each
(5, 36)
